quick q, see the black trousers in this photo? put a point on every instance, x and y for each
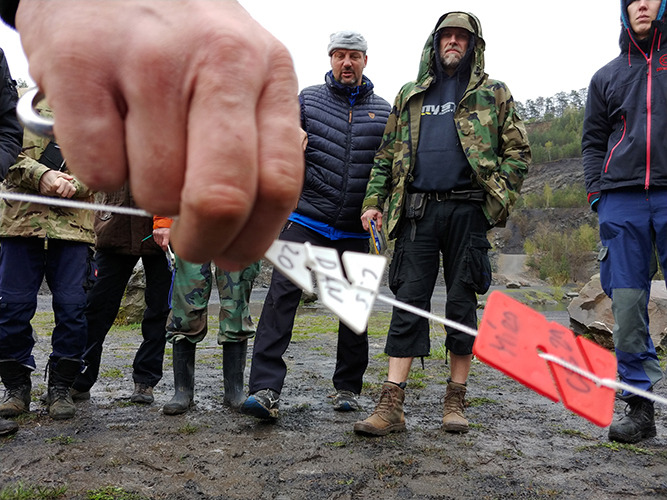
(457, 231)
(113, 273)
(276, 322)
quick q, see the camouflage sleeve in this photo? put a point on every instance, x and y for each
(515, 149)
(379, 182)
(82, 191)
(26, 173)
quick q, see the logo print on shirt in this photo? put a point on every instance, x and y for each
(439, 109)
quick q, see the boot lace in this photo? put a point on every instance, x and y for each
(12, 393)
(387, 401)
(454, 402)
(58, 392)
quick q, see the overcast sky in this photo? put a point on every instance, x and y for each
(538, 48)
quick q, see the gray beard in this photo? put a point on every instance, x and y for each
(450, 61)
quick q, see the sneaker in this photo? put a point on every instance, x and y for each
(262, 404)
(346, 401)
(142, 394)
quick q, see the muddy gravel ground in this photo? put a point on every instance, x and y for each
(520, 444)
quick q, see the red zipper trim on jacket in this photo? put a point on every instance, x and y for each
(625, 128)
(649, 90)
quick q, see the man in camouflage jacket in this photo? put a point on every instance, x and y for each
(452, 160)
(36, 241)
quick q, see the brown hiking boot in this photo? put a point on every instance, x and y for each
(388, 415)
(453, 419)
(16, 378)
(61, 377)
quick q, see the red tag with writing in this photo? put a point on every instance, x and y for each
(511, 337)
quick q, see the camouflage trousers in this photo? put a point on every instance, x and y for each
(190, 294)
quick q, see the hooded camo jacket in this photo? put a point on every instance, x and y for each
(491, 133)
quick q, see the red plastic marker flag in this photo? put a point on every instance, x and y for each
(511, 337)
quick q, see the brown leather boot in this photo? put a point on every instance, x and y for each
(388, 415)
(453, 419)
(16, 379)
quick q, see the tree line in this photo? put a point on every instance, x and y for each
(554, 124)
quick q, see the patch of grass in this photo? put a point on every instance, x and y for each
(576, 433)
(385, 470)
(370, 386)
(36, 392)
(111, 373)
(112, 493)
(510, 453)
(20, 491)
(378, 323)
(439, 352)
(43, 323)
(417, 378)
(307, 325)
(26, 418)
(475, 402)
(301, 407)
(614, 446)
(124, 404)
(188, 429)
(336, 444)
(61, 439)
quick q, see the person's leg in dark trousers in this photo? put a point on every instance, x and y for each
(466, 268)
(67, 267)
(147, 366)
(274, 331)
(352, 349)
(113, 273)
(67, 274)
(21, 273)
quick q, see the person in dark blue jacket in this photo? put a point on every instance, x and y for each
(11, 139)
(344, 121)
(625, 165)
(11, 131)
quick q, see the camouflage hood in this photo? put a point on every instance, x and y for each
(427, 64)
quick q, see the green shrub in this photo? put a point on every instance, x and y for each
(561, 257)
(571, 196)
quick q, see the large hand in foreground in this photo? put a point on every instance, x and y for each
(193, 101)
